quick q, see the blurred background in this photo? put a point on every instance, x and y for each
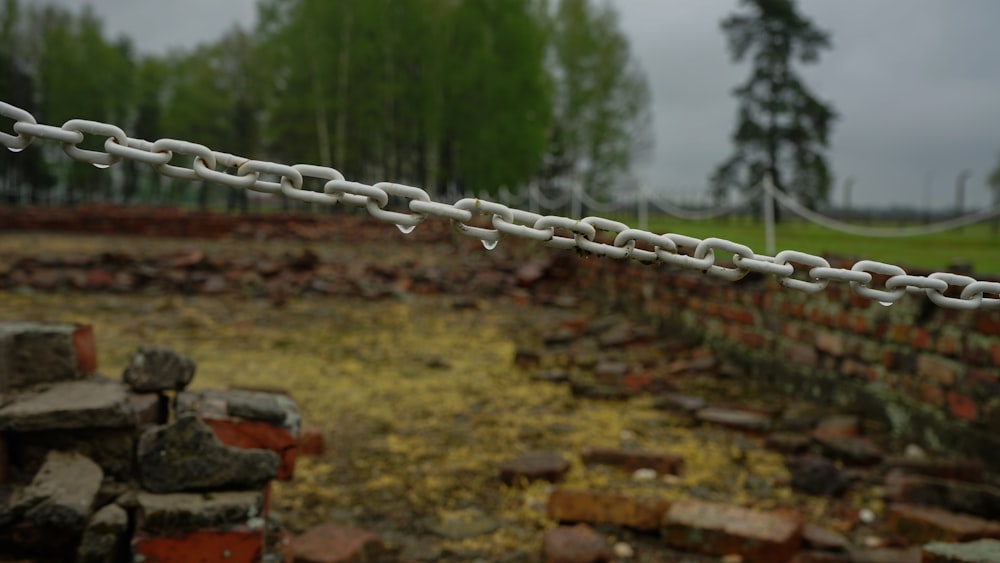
(873, 112)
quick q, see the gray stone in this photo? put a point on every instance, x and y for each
(62, 492)
(186, 456)
(276, 409)
(88, 403)
(104, 537)
(981, 551)
(158, 369)
(850, 449)
(181, 512)
(111, 449)
(816, 475)
(534, 466)
(33, 353)
(733, 418)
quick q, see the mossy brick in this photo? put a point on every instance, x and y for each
(33, 353)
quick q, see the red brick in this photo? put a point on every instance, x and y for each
(258, 435)
(831, 343)
(899, 333)
(923, 524)
(86, 351)
(333, 543)
(631, 460)
(600, 507)
(949, 345)
(962, 406)
(312, 441)
(720, 529)
(995, 354)
(802, 355)
(930, 394)
(953, 468)
(739, 316)
(841, 425)
(577, 544)
(988, 323)
(239, 544)
(921, 339)
(750, 338)
(938, 369)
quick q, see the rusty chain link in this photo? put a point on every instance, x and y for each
(813, 273)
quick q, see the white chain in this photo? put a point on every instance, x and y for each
(795, 270)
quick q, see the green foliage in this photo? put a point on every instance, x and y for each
(782, 128)
(602, 113)
(438, 93)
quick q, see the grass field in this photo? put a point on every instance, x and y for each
(976, 244)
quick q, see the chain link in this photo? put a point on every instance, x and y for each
(672, 249)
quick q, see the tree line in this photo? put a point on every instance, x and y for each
(437, 93)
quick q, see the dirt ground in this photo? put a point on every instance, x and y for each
(421, 399)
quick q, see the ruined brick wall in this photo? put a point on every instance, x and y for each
(933, 372)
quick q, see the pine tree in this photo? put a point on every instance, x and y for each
(782, 128)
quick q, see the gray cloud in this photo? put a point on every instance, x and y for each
(916, 84)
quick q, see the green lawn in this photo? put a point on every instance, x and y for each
(976, 244)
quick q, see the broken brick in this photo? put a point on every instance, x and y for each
(631, 460)
(33, 353)
(720, 529)
(333, 543)
(598, 507)
(236, 544)
(576, 544)
(922, 524)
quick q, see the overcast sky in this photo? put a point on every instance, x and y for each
(916, 84)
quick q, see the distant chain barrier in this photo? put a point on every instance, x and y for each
(796, 270)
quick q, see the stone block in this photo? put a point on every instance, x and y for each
(62, 492)
(922, 524)
(33, 353)
(600, 507)
(631, 460)
(87, 403)
(186, 456)
(178, 513)
(112, 449)
(853, 450)
(104, 538)
(334, 543)
(158, 369)
(250, 420)
(720, 529)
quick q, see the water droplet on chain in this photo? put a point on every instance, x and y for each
(490, 244)
(100, 165)
(15, 149)
(405, 229)
(885, 303)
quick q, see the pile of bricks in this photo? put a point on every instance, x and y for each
(136, 468)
